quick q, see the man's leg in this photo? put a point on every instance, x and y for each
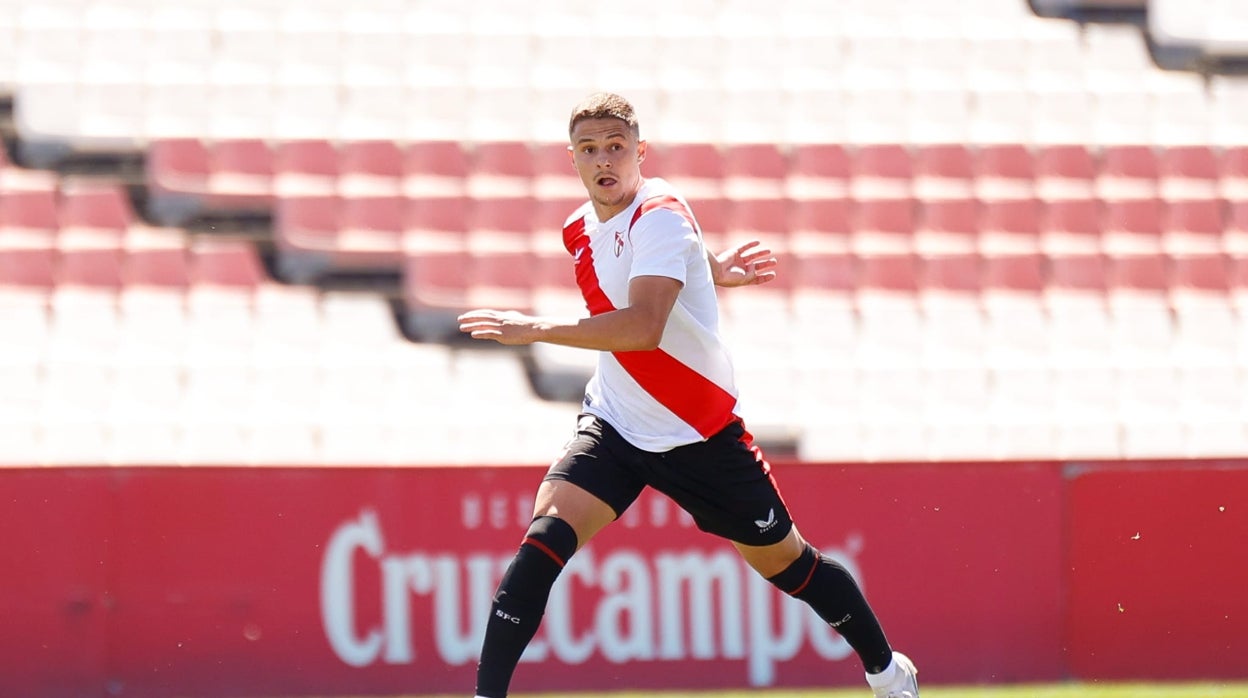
(565, 517)
(797, 569)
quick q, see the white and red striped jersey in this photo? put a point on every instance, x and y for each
(683, 391)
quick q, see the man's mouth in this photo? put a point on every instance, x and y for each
(606, 181)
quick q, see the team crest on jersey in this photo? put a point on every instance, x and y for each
(619, 243)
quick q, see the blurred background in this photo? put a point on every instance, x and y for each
(237, 233)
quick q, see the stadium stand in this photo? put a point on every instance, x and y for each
(1001, 236)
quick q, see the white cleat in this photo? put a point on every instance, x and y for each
(899, 680)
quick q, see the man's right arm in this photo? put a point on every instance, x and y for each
(636, 327)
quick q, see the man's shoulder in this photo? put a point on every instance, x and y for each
(578, 215)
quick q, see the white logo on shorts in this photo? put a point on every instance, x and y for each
(765, 525)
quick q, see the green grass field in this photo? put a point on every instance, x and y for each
(1069, 690)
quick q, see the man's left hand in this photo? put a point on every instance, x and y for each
(744, 265)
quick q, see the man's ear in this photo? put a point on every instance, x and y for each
(641, 151)
(572, 156)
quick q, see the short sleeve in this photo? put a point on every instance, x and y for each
(664, 244)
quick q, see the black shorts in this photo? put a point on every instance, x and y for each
(723, 482)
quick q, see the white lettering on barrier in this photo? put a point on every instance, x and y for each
(664, 605)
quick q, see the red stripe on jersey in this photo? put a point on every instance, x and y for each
(670, 203)
(688, 394)
(577, 242)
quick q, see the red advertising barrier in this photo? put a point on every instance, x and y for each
(250, 581)
(1159, 569)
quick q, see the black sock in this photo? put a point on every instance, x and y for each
(829, 589)
(520, 601)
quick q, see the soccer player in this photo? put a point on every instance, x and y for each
(659, 410)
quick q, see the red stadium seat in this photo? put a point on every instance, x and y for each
(1188, 172)
(1071, 226)
(305, 234)
(1006, 275)
(243, 172)
(1233, 173)
(1010, 226)
(1193, 226)
(28, 267)
(99, 211)
(229, 263)
(554, 175)
(30, 214)
(881, 172)
(958, 275)
(893, 274)
(1127, 172)
(179, 164)
(435, 289)
(1132, 226)
(696, 169)
(1065, 172)
(884, 226)
(1199, 278)
(435, 168)
(1076, 277)
(944, 171)
(948, 226)
(1004, 172)
(818, 171)
(819, 227)
(1146, 274)
(502, 169)
(89, 266)
(371, 233)
(370, 168)
(754, 171)
(305, 168)
(160, 260)
(1235, 234)
(512, 216)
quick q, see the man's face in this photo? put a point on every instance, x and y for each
(608, 159)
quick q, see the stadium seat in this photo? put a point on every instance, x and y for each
(29, 215)
(883, 225)
(943, 172)
(370, 168)
(1132, 226)
(94, 212)
(818, 171)
(696, 169)
(156, 258)
(1071, 225)
(500, 169)
(881, 172)
(1065, 172)
(1192, 226)
(554, 177)
(1188, 172)
(27, 268)
(1010, 226)
(947, 226)
(177, 174)
(1233, 173)
(242, 176)
(1003, 171)
(435, 168)
(305, 168)
(1127, 172)
(754, 171)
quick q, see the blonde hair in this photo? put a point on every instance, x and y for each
(605, 105)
